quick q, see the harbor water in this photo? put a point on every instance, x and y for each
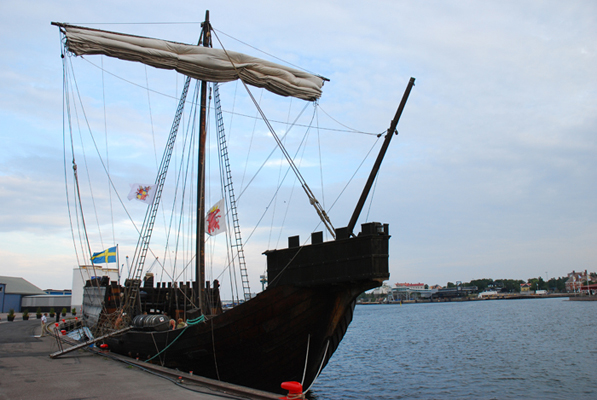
(492, 349)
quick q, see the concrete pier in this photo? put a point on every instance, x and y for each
(27, 372)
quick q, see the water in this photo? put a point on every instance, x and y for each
(502, 349)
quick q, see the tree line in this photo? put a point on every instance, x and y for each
(513, 285)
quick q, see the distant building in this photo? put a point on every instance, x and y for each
(488, 293)
(383, 290)
(525, 287)
(59, 292)
(590, 289)
(12, 291)
(45, 302)
(576, 280)
(411, 286)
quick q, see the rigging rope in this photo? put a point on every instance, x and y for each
(226, 193)
(303, 141)
(104, 165)
(320, 160)
(349, 181)
(279, 187)
(372, 196)
(66, 113)
(264, 52)
(84, 156)
(279, 183)
(347, 130)
(183, 174)
(354, 174)
(95, 145)
(100, 158)
(318, 208)
(77, 192)
(107, 159)
(347, 127)
(242, 182)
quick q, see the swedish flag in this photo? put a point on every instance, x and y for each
(106, 256)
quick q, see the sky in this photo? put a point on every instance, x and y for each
(492, 175)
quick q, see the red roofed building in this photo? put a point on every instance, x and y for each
(412, 286)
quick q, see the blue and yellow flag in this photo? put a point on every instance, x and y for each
(106, 256)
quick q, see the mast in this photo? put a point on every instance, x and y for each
(200, 234)
(380, 156)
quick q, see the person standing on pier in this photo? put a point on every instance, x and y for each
(44, 320)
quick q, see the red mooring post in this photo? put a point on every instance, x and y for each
(295, 390)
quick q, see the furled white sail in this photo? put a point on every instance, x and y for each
(198, 62)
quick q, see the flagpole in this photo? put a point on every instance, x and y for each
(117, 264)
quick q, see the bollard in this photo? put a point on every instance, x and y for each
(295, 390)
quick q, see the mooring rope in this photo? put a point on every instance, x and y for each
(306, 359)
(320, 366)
(190, 323)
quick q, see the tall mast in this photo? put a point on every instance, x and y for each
(200, 235)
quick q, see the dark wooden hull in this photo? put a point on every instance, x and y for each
(286, 333)
(259, 344)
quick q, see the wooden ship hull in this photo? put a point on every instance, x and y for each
(289, 331)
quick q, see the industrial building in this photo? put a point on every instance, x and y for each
(18, 294)
(12, 291)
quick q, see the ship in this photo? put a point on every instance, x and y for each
(288, 331)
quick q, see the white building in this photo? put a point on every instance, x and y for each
(83, 274)
(382, 290)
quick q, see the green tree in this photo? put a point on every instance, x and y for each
(481, 284)
(557, 284)
(537, 284)
(511, 285)
(542, 284)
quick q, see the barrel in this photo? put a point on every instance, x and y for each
(154, 322)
